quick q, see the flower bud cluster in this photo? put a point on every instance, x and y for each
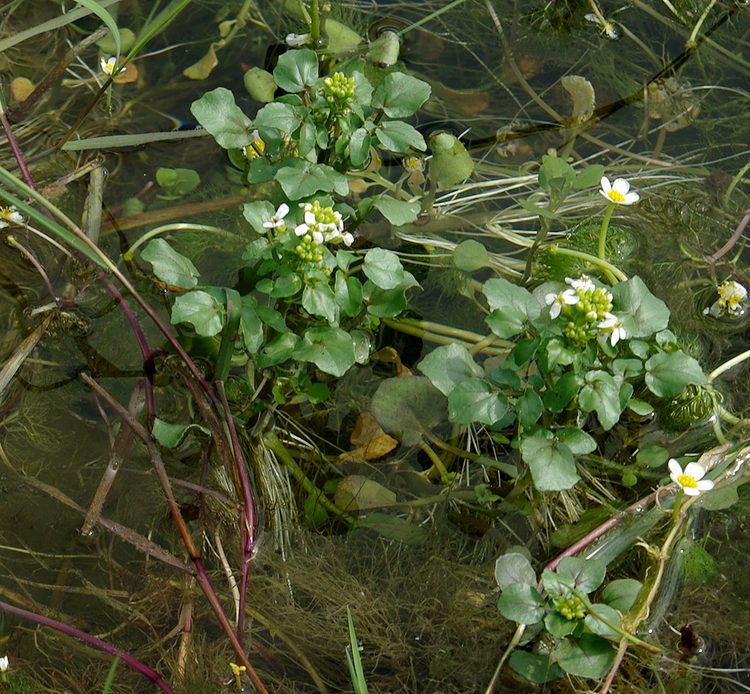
(339, 90)
(569, 606)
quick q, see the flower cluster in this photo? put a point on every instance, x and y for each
(690, 480)
(339, 90)
(323, 225)
(732, 300)
(587, 309)
(9, 215)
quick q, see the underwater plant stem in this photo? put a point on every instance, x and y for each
(736, 236)
(200, 571)
(26, 253)
(90, 640)
(437, 463)
(120, 447)
(613, 273)
(727, 365)
(692, 39)
(247, 529)
(517, 636)
(280, 451)
(603, 231)
(733, 184)
(17, 154)
(622, 648)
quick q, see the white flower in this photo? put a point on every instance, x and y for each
(301, 229)
(4, 664)
(9, 215)
(690, 479)
(556, 302)
(731, 296)
(608, 29)
(612, 325)
(618, 192)
(277, 220)
(108, 66)
(347, 238)
(295, 40)
(584, 283)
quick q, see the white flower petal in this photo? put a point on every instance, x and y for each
(347, 238)
(301, 229)
(283, 211)
(705, 485)
(674, 468)
(621, 186)
(606, 186)
(555, 310)
(695, 470)
(631, 198)
(691, 491)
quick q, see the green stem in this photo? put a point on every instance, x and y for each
(677, 506)
(603, 231)
(314, 22)
(613, 273)
(727, 365)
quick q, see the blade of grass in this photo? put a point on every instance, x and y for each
(108, 19)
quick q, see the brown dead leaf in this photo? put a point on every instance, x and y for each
(388, 355)
(371, 441)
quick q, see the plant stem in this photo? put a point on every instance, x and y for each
(613, 273)
(314, 22)
(603, 231)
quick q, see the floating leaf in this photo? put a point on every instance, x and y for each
(201, 310)
(588, 656)
(470, 255)
(551, 462)
(449, 365)
(296, 70)
(521, 603)
(330, 349)
(513, 567)
(537, 669)
(668, 373)
(622, 593)
(400, 95)
(218, 113)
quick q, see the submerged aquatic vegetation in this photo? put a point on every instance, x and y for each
(557, 386)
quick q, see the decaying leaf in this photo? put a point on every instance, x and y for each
(203, 68)
(20, 88)
(357, 493)
(582, 93)
(370, 440)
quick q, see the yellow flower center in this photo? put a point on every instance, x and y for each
(687, 481)
(255, 149)
(6, 213)
(616, 196)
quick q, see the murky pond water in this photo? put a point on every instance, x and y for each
(304, 488)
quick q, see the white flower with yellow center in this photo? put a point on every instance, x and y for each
(9, 215)
(108, 65)
(277, 219)
(690, 479)
(618, 192)
(612, 325)
(556, 302)
(731, 296)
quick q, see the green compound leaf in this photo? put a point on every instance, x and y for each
(383, 268)
(330, 349)
(397, 212)
(296, 70)
(667, 373)
(588, 656)
(601, 394)
(201, 310)
(622, 593)
(537, 669)
(277, 350)
(470, 255)
(512, 568)
(579, 442)
(511, 307)
(449, 365)
(397, 136)
(348, 294)
(251, 326)
(283, 117)
(551, 462)
(585, 574)
(319, 300)
(217, 112)
(169, 265)
(400, 95)
(641, 312)
(301, 179)
(169, 435)
(473, 400)
(521, 603)
(529, 408)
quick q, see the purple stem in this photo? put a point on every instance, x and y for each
(247, 529)
(16, 150)
(732, 239)
(128, 659)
